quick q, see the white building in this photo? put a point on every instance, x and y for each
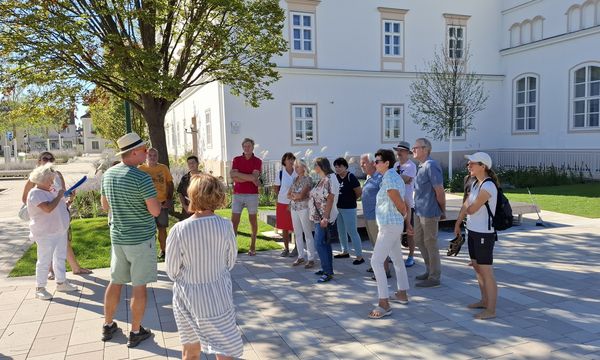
(92, 141)
(344, 85)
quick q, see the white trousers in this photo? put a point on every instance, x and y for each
(302, 224)
(51, 249)
(389, 244)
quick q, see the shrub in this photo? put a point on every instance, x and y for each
(87, 204)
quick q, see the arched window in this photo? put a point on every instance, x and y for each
(574, 18)
(537, 28)
(597, 12)
(525, 32)
(585, 97)
(588, 10)
(525, 109)
(515, 35)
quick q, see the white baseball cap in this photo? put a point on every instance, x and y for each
(481, 157)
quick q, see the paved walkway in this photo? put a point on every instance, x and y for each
(548, 308)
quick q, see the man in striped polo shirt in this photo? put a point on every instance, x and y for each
(130, 195)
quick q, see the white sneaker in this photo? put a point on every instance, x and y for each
(42, 294)
(65, 287)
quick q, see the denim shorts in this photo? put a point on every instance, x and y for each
(241, 201)
(135, 264)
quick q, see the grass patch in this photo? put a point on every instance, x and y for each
(91, 243)
(579, 199)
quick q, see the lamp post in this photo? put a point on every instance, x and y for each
(127, 117)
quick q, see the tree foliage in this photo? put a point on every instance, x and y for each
(446, 94)
(108, 116)
(145, 51)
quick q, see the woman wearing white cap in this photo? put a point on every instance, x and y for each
(481, 232)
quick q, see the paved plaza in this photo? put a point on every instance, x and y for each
(548, 306)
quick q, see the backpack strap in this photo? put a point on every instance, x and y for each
(280, 176)
(487, 204)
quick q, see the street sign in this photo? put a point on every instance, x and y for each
(9, 135)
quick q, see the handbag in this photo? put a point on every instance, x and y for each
(23, 213)
(331, 232)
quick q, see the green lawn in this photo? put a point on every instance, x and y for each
(91, 243)
(580, 199)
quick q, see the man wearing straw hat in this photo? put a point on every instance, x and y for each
(130, 195)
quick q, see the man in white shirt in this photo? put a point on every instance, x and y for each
(407, 170)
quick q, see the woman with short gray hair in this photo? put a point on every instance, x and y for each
(48, 226)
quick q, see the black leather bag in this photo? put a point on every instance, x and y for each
(332, 234)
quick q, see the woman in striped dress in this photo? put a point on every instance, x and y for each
(201, 251)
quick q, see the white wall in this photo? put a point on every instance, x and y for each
(552, 62)
(195, 102)
(349, 118)
(348, 32)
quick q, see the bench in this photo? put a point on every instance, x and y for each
(14, 174)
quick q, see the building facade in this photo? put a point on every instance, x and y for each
(344, 87)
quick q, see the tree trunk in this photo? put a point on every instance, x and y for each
(154, 114)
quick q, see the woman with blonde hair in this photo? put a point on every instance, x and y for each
(298, 195)
(48, 226)
(44, 158)
(201, 251)
(481, 235)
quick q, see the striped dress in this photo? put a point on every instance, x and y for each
(200, 253)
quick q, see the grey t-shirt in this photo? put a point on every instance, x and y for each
(429, 175)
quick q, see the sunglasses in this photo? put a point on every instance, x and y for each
(50, 159)
(378, 161)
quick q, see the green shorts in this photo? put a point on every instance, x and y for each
(135, 264)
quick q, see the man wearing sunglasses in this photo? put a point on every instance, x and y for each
(430, 208)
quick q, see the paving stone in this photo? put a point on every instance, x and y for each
(49, 345)
(92, 355)
(84, 348)
(18, 338)
(55, 356)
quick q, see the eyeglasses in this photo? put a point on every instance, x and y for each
(50, 159)
(378, 161)
(417, 147)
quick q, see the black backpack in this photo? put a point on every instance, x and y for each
(502, 219)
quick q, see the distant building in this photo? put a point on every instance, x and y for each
(92, 141)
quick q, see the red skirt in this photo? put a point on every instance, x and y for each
(283, 217)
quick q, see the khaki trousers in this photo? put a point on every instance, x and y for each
(426, 232)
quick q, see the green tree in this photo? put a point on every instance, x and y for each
(146, 51)
(108, 116)
(445, 98)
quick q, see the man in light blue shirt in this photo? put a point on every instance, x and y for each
(430, 208)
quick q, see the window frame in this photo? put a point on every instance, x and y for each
(314, 120)
(464, 131)
(389, 140)
(399, 35)
(449, 38)
(302, 28)
(587, 98)
(526, 104)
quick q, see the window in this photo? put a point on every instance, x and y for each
(302, 32)
(392, 123)
(303, 124)
(456, 41)
(586, 98)
(391, 38)
(95, 145)
(459, 127)
(208, 129)
(525, 112)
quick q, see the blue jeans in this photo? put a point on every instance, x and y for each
(346, 224)
(323, 249)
